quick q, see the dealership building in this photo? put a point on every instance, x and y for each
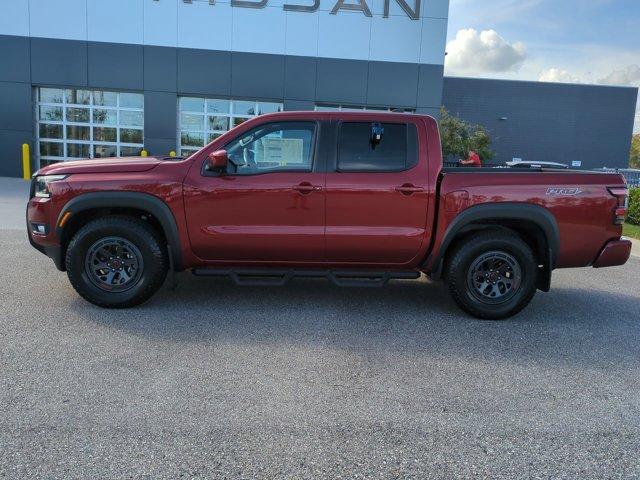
(103, 78)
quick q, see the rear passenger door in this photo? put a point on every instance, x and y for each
(376, 195)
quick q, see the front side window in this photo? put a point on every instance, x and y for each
(272, 147)
(202, 120)
(396, 151)
(74, 124)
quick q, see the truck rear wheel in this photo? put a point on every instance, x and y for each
(116, 262)
(492, 275)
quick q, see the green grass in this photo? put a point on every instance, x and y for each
(630, 230)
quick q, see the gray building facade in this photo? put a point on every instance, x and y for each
(165, 74)
(77, 83)
(538, 121)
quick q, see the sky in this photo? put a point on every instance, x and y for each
(573, 41)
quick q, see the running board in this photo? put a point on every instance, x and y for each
(342, 278)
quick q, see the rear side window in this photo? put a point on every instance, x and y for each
(397, 151)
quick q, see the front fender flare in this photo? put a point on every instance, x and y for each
(142, 201)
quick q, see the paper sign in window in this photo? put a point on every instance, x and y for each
(281, 151)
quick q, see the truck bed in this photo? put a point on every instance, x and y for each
(578, 200)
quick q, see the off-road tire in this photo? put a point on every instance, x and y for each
(142, 236)
(471, 249)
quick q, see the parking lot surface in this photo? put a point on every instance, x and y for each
(212, 380)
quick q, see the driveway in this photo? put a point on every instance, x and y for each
(312, 381)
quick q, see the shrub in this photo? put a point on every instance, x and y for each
(459, 137)
(634, 206)
(634, 155)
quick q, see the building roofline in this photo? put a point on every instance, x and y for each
(538, 82)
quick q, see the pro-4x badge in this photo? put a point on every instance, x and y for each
(564, 192)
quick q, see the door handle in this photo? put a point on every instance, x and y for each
(305, 188)
(408, 189)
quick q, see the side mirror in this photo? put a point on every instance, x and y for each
(217, 160)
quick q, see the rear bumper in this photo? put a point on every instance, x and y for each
(615, 252)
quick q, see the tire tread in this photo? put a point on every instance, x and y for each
(153, 243)
(459, 258)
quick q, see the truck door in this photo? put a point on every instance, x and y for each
(269, 205)
(377, 194)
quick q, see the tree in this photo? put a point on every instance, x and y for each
(459, 137)
(634, 155)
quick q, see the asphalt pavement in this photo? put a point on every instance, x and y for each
(313, 381)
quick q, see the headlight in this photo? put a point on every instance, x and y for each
(42, 184)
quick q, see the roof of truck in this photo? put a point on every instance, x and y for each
(351, 115)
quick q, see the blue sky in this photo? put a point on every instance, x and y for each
(578, 41)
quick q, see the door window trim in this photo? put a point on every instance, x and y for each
(316, 165)
(334, 167)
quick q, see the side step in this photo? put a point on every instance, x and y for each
(272, 277)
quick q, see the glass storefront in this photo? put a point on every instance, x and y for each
(74, 124)
(201, 120)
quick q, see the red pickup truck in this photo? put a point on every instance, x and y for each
(358, 198)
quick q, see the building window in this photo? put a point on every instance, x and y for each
(201, 120)
(74, 124)
(326, 107)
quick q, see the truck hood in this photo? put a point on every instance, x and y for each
(103, 165)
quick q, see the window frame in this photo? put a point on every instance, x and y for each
(91, 106)
(231, 115)
(408, 167)
(314, 150)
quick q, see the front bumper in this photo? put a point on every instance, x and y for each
(54, 252)
(38, 211)
(615, 252)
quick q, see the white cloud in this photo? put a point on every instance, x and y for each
(474, 53)
(627, 76)
(558, 75)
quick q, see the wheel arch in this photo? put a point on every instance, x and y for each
(87, 205)
(534, 224)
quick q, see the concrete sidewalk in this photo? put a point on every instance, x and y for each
(14, 194)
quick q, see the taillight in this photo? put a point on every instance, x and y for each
(622, 197)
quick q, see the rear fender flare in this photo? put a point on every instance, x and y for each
(141, 201)
(490, 213)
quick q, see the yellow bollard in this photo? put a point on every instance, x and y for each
(172, 153)
(144, 153)
(26, 162)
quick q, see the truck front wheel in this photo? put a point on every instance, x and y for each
(492, 275)
(116, 261)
